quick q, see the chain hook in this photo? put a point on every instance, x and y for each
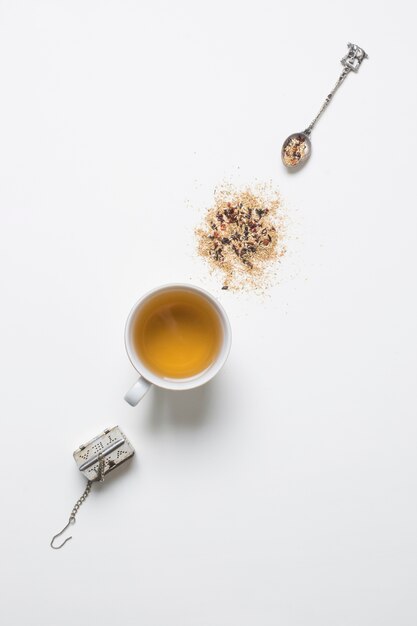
(100, 477)
(70, 521)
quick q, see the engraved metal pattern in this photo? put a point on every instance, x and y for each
(112, 446)
(354, 57)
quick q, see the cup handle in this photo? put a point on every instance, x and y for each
(136, 393)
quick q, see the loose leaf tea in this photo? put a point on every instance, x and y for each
(243, 235)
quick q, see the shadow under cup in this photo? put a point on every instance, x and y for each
(177, 337)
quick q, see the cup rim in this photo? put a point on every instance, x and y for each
(180, 383)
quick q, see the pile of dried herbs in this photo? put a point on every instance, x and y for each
(243, 235)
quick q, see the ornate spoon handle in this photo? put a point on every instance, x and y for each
(328, 99)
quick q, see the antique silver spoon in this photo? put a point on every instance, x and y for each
(296, 149)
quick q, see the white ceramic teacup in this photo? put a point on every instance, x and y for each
(147, 377)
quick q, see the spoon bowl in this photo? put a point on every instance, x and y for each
(296, 150)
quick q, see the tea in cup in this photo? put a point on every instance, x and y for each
(177, 337)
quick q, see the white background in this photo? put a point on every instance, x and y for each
(283, 493)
